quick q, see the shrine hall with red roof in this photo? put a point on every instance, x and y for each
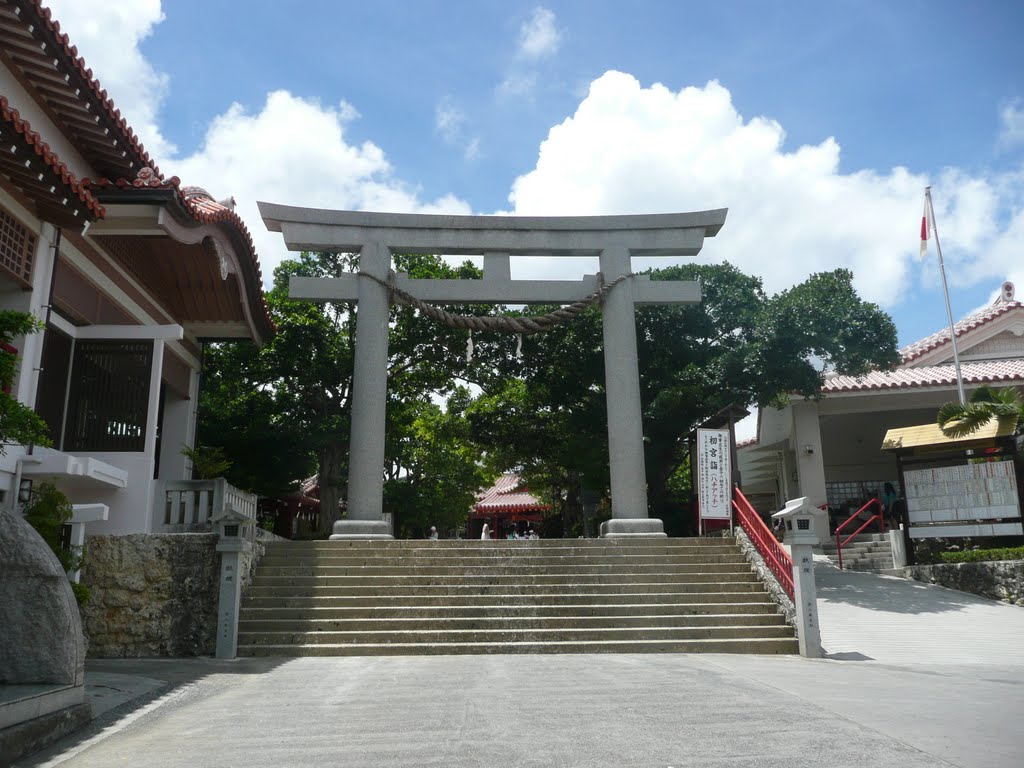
(506, 505)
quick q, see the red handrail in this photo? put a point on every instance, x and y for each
(774, 554)
(840, 543)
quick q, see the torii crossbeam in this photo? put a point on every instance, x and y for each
(614, 239)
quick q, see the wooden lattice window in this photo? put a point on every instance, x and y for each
(109, 397)
(17, 248)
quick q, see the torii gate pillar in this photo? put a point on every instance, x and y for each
(615, 239)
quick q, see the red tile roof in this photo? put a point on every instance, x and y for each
(940, 338)
(22, 128)
(118, 151)
(508, 495)
(928, 376)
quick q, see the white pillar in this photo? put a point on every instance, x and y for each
(625, 418)
(810, 462)
(364, 519)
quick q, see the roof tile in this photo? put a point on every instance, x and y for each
(928, 376)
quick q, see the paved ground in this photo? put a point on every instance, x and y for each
(947, 704)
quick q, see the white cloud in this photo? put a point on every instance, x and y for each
(517, 84)
(538, 35)
(1011, 119)
(630, 149)
(263, 156)
(448, 120)
(108, 34)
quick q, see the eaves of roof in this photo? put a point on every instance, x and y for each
(938, 339)
(36, 169)
(49, 66)
(201, 209)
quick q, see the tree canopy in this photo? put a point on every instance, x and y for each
(543, 413)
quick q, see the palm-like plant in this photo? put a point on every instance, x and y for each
(1005, 405)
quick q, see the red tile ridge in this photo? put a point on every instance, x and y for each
(939, 338)
(928, 376)
(101, 95)
(41, 148)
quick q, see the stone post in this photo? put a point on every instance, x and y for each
(622, 393)
(232, 544)
(800, 518)
(364, 518)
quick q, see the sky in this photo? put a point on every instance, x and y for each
(818, 125)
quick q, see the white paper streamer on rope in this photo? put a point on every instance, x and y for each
(469, 348)
(519, 345)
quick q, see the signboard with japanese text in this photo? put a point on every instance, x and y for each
(713, 474)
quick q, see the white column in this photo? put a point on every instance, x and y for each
(625, 418)
(810, 462)
(364, 519)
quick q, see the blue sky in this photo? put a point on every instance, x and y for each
(817, 124)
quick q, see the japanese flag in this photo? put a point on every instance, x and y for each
(926, 226)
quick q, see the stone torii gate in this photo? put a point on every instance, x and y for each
(614, 239)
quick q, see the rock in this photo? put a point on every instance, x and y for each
(41, 640)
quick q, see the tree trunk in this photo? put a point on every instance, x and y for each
(331, 485)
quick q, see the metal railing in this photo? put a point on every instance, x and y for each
(841, 542)
(775, 555)
(189, 505)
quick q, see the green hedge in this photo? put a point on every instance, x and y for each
(978, 555)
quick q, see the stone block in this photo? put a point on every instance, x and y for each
(41, 639)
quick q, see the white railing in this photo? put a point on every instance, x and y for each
(189, 505)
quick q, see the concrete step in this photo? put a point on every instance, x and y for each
(513, 570)
(595, 545)
(305, 600)
(473, 578)
(484, 589)
(329, 559)
(542, 596)
(756, 605)
(786, 645)
(667, 620)
(531, 635)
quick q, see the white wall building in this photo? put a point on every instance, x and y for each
(830, 449)
(129, 271)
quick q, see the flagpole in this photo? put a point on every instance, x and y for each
(945, 292)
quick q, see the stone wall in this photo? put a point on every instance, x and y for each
(156, 594)
(151, 595)
(999, 580)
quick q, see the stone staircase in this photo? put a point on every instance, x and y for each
(868, 552)
(352, 598)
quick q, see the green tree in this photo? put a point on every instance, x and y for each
(547, 412)
(434, 469)
(292, 398)
(19, 424)
(1006, 405)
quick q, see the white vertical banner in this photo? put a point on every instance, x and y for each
(714, 475)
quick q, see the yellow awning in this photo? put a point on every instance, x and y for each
(929, 435)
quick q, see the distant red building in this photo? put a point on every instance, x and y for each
(505, 506)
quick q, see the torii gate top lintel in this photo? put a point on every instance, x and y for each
(659, 234)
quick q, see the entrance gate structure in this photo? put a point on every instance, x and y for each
(615, 240)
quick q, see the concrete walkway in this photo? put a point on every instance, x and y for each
(956, 700)
(900, 621)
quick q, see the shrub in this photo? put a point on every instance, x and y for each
(47, 511)
(982, 555)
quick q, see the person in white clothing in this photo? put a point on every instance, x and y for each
(486, 532)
